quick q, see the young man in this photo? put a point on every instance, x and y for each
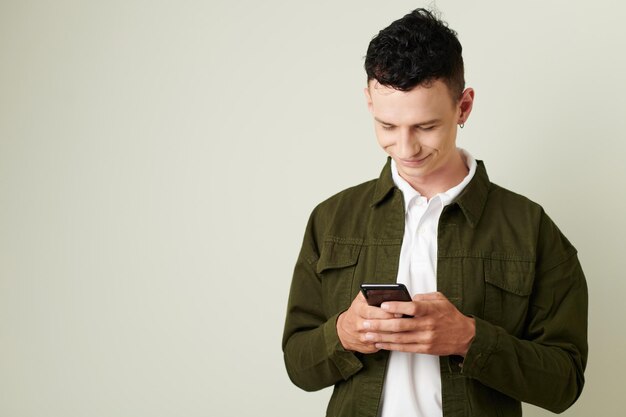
(499, 308)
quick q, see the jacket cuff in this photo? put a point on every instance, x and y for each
(346, 361)
(484, 344)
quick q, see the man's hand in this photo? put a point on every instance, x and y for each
(350, 325)
(436, 328)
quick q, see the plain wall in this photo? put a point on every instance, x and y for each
(159, 160)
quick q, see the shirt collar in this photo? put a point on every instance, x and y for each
(470, 197)
(449, 196)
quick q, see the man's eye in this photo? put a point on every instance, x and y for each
(387, 127)
(425, 128)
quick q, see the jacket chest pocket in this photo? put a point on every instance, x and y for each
(508, 285)
(336, 268)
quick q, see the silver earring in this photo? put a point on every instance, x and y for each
(461, 125)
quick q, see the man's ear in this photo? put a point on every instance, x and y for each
(465, 105)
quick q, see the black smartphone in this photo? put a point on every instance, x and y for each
(376, 294)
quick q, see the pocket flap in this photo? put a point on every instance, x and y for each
(337, 255)
(511, 276)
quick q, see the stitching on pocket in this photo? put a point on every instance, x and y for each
(513, 277)
(337, 255)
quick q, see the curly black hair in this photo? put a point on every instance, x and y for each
(416, 50)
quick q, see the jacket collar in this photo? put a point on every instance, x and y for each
(384, 185)
(472, 199)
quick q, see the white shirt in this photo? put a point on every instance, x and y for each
(412, 384)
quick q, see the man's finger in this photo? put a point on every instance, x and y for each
(409, 308)
(389, 326)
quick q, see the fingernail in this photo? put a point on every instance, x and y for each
(367, 325)
(384, 306)
(369, 336)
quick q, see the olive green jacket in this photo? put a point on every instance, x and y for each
(500, 260)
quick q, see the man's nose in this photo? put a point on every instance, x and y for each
(408, 144)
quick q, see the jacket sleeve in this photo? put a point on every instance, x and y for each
(546, 366)
(313, 354)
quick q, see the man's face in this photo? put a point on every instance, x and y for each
(417, 128)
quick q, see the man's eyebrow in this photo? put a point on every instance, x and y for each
(382, 122)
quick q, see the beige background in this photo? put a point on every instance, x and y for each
(159, 159)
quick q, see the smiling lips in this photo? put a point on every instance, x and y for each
(414, 162)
